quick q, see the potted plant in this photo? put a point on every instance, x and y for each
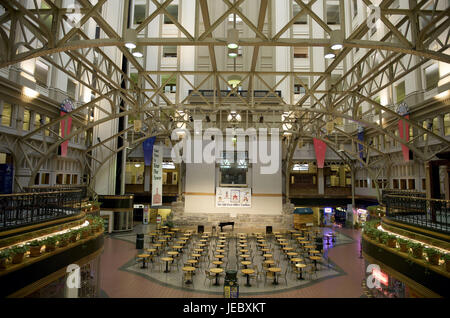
(417, 249)
(403, 245)
(84, 232)
(73, 236)
(433, 255)
(446, 258)
(4, 256)
(383, 237)
(63, 239)
(391, 241)
(35, 248)
(50, 243)
(18, 253)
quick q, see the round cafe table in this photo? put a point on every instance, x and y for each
(291, 254)
(267, 256)
(220, 245)
(216, 271)
(243, 245)
(243, 251)
(219, 257)
(269, 262)
(190, 270)
(248, 272)
(144, 257)
(275, 270)
(220, 251)
(152, 235)
(172, 253)
(287, 248)
(315, 259)
(151, 250)
(198, 250)
(167, 260)
(246, 263)
(218, 263)
(296, 260)
(300, 266)
(244, 256)
(196, 256)
(314, 252)
(178, 248)
(192, 261)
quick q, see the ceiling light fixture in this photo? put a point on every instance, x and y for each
(233, 38)
(329, 54)
(233, 53)
(130, 38)
(138, 51)
(234, 80)
(337, 40)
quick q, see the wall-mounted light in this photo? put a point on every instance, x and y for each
(233, 39)
(329, 54)
(138, 51)
(337, 40)
(130, 38)
(30, 93)
(137, 165)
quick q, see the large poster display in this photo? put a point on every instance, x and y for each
(233, 197)
(157, 175)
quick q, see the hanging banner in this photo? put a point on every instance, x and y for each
(361, 138)
(233, 197)
(403, 128)
(320, 148)
(66, 124)
(147, 146)
(157, 175)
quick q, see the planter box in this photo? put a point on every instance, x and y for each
(17, 258)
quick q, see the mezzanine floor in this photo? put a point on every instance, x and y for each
(122, 278)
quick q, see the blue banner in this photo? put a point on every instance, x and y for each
(148, 150)
(6, 178)
(360, 138)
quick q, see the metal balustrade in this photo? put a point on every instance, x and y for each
(403, 193)
(22, 209)
(432, 214)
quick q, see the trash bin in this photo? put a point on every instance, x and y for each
(231, 286)
(140, 241)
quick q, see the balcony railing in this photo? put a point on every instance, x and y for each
(85, 191)
(402, 193)
(432, 214)
(22, 209)
(224, 93)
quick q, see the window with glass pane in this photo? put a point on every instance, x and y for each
(169, 51)
(447, 124)
(173, 11)
(303, 19)
(300, 52)
(45, 178)
(37, 121)
(139, 13)
(233, 168)
(134, 173)
(171, 85)
(59, 178)
(41, 73)
(67, 179)
(71, 88)
(26, 120)
(333, 14)
(400, 90)
(436, 129)
(432, 76)
(355, 8)
(6, 114)
(47, 120)
(425, 125)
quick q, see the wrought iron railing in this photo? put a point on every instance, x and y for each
(403, 193)
(426, 213)
(63, 187)
(22, 209)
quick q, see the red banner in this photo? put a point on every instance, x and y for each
(321, 148)
(64, 133)
(403, 129)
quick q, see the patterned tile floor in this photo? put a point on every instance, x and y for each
(121, 277)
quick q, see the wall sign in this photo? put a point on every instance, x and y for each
(233, 197)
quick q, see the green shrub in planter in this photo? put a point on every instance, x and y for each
(4, 256)
(433, 255)
(417, 249)
(84, 232)
(73, 235)
(35, 248)
(18, 253)
(50, 243)
(391, 241)
(446, 258)
(63, 239)
(383, 237)
(403, 245)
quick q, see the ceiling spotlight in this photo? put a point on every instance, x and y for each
(337, 40)
(130, 38)
(138, 51)
(329, 54)
(233, 53)
(233, 38)
(137, 165)
(234, 80)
